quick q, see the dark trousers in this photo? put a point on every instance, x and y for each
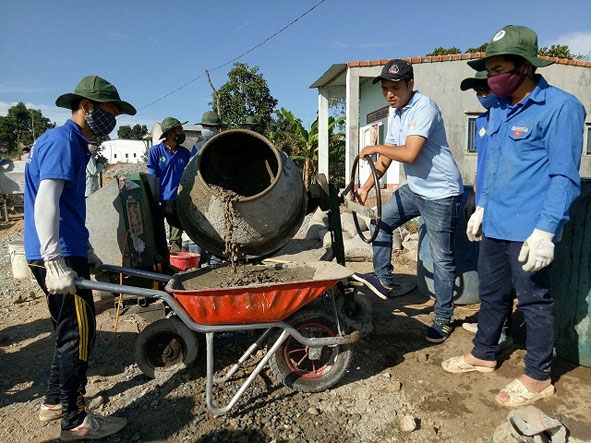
(74, 321)
(499, 272)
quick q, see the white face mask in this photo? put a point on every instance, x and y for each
(207, 133)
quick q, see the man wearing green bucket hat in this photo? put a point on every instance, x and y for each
(211, 124)
(532, 177)
(167, 161)
(58, 250)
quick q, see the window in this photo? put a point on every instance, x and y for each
(134, 155)
(114, 155)
(126, 155)
(471, 135)
(588, 144)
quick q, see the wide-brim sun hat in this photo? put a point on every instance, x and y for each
(512, 40)
(471, 82)
(210, 118)
(170, 123)
(96, 89)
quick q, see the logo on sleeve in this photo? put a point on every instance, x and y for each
(482, 132)
(162, 159)
(518, 130)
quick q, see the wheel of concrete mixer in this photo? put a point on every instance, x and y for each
(351, 188)
(291, 363)
(165, 346)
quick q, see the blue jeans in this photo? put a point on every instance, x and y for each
(440, 217)
(499, 272)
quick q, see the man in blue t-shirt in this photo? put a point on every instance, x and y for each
(532, 177)
(58, 250)
(416, 137)
(168, 161)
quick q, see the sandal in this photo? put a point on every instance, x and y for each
(457, 365)
(519, 395)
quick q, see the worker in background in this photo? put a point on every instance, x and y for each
(93, 169)
(167, 161)
(252, 123)
(211, 124)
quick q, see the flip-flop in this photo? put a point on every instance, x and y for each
(519, 395)
(457, 365)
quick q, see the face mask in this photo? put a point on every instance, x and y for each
(207, 133)
(488, 101)
(180, 138)
(100, 122)
(504, 85)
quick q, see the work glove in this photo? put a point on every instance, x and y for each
(470, 205)
(94, 263)
(59, 278)
(538, 250)
(474, 227)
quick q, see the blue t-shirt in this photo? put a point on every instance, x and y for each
(60, 153)
(434, 174)
(168, 167)
(532, 163)
(480, 142)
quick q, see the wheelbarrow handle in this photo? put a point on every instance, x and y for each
(136, 272)
(120, 289)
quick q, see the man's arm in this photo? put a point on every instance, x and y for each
(406, 153)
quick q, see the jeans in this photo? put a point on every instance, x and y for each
(499, 272)
(440, 217)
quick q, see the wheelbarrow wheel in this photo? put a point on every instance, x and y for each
(291, 363)
(165, 346)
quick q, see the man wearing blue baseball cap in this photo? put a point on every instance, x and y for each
(532, 178)
(58, 250)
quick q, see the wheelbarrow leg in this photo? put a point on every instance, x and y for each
(210, 369)
(258, 344)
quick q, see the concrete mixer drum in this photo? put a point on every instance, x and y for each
(271, 199)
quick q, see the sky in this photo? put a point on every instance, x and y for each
(156, 53)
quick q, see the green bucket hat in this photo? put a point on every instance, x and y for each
(513, 40)
(252, 120)
(169, 123)
(471, 82)
(96, 89)
(210, 118)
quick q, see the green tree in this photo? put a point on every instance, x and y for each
(126, 132)
(560, 51)
(289, 134)
(245, 93)
(22, 125)
(442, 51)
(481, 48)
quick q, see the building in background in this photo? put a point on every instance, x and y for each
(124, 151)
(439, 78)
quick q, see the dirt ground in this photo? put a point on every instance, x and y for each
(395, 374)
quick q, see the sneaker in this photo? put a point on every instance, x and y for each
(50, 413)
(439, 331)
(374, 284)
(94, 427)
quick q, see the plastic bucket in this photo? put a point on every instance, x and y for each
(184, 260)
(571, 282)
(466, 282)
(20, 267)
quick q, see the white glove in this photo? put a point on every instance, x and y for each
(59, 278)
(538, 250)
(94, 263)
(474, 226)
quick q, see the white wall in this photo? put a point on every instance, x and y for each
(124, 151)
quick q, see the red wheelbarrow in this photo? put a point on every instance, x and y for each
(308, 343)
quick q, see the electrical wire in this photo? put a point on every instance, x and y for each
(235, 58)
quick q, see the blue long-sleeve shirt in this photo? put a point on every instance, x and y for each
(532, 164)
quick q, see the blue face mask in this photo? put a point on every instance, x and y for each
(488, 101)
(207, 133)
